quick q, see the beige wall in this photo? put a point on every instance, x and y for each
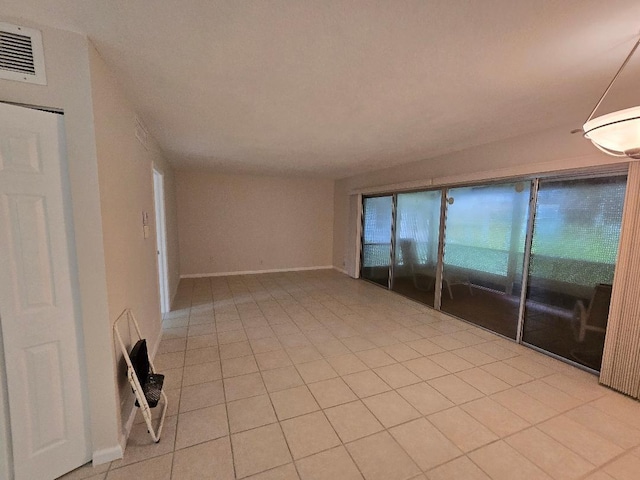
(126, 191)
(239, 223)
(547, 151)
(69, 89)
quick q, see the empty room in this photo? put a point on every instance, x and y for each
(319, 240)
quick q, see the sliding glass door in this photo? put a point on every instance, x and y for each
(483, 254)
(464, 250)
(573, 257)
(376, 238)
(416, 245)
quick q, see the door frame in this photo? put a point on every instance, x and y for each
(358, 242)
(161, 239)
(6, 453)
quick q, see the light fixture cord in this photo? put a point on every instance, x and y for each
(614, 79)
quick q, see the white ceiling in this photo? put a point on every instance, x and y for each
(337, 87)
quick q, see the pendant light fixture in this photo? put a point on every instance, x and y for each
(616, 133)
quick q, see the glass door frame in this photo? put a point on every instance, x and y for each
(394, 201)
(530, 184)
(440, 246)
(612, 171)
(437, 301)
(394, 215)
(531, 218)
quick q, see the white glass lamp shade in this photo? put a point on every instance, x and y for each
(616, 133)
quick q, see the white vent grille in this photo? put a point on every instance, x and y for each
(16, 53)
(21, 54)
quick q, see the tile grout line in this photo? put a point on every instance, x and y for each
(224, 390)
(175, 439)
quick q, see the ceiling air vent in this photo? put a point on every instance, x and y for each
(21, 54)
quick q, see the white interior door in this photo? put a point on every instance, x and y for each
(38, 306)
(161, 242)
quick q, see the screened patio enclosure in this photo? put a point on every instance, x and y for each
(530, 259)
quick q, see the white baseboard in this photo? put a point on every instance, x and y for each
(107, 455)
(128, 426)
(255, 272)
(342, 270)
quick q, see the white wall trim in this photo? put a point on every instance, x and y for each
(357, 264)
(341, 270)
(253, 272)
(6, 453)
(394, 187)
(106, 455)
(534, 169)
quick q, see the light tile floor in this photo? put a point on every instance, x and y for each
(318, 376)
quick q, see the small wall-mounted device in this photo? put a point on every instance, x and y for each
(145, 224)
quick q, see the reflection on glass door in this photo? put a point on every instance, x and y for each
(376, 238)
(416, 245)
(483, 254)
(573, 257)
